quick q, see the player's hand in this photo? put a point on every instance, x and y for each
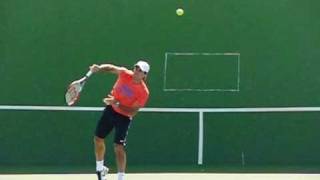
(94, 68)
(109, 100)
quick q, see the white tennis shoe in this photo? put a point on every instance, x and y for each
(102, 175)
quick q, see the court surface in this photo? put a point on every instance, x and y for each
(167, 176)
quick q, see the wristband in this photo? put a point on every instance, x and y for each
(117, 103)
(89, 73)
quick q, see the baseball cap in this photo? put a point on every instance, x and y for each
(144, 66)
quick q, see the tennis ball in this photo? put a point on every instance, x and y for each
(180, 12)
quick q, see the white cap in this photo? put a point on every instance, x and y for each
(144, 66)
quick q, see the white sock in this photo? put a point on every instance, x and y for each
(99, 166)
(120, 175)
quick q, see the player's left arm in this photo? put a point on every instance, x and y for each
(133, 109)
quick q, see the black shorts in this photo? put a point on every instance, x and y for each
(111, 119)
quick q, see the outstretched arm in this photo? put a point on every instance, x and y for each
(106, 68)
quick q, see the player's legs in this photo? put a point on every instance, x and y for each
(122, 124)
(104, 127)
(121, 157)
(101, 170)
(100, 148)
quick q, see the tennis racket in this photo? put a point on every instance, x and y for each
(73, 93)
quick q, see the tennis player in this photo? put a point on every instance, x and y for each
(128, 94)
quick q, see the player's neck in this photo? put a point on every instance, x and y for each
(136, 80)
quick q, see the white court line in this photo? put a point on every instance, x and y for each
(200, 139)
(205, 90)
(203, 54)
(238, 80)
(165, 72)
(155, 109)
(167, 176)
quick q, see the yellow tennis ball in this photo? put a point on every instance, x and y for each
(180, 12)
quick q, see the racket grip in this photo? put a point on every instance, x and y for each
(89, 73)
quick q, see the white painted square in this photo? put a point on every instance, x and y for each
(217, 72)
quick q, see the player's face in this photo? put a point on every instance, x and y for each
(138, 72)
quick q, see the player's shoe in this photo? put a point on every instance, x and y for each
(102, 175)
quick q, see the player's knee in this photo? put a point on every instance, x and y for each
(118, 148)
(98, 140)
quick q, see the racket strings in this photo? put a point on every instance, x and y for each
(72, 95)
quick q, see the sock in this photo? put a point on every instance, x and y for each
(120, 175)
(99, 166)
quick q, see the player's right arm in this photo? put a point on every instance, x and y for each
(107, 68)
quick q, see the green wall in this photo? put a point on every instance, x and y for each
(44, 45)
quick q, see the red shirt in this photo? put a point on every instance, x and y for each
(128, 92)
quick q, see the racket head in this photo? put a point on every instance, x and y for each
(73, 93)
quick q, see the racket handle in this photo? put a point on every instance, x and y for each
(89, 73)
